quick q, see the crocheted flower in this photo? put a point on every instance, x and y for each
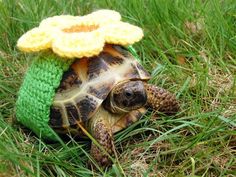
(80, 36)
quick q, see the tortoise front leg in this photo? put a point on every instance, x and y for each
(161, 100)
(101, 130)
(103, 136)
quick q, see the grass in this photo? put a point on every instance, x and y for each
(189, 48)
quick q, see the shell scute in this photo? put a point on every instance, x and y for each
(142, 71)
(121, 50)
(72, 114)
(133, 72)
(55, 117)
(101, 90)
(96, 66)
(69, 79)
(112, 59)
(87, 107)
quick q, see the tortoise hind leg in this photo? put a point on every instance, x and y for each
(161, 100)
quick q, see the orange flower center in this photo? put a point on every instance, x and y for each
(80, 28)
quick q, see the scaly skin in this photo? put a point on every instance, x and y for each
(161, 100)
(102, 132)
(104, 138)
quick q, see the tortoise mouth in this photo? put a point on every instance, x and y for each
(80, 28)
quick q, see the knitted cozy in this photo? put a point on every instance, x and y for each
(69, 38)
(37, 92)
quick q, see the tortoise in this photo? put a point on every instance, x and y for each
(103, 95)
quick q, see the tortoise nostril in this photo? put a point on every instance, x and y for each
(125, 103)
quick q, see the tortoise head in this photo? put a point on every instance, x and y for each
(126, 96)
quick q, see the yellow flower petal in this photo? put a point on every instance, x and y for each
(35, 40)
(103, 16)
(59, 21)
(80, 36)
(122, 33)
(78, 45)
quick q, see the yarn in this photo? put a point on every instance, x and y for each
(37, 92)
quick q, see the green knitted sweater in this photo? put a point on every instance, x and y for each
(37, 92)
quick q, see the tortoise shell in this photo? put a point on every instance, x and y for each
(87, 83)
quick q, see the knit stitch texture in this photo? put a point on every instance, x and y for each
(37, 92)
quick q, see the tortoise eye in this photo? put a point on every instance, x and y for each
(128, 93)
